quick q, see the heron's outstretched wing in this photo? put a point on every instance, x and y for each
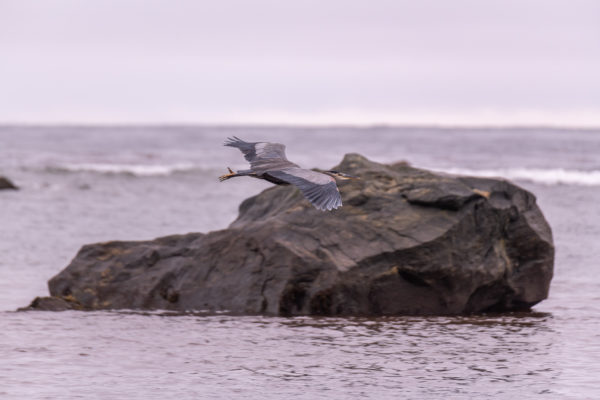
(262, 156)
(318, 188)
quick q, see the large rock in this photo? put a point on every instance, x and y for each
(5, 183)
(406, 241)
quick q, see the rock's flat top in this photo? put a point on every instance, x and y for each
(406, 241)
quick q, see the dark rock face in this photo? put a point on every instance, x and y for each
(6, 184)
(406, 241)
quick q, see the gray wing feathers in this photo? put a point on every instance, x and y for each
(245, 147)
(262, 156)
(318, 188)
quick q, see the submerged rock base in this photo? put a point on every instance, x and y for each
(406, 241)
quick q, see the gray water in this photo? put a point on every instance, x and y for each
(81, 185)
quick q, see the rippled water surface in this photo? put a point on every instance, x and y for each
(82, 185)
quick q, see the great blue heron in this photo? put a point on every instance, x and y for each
(268, 162)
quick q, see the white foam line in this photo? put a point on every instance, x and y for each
(133, 169)
(552, 176)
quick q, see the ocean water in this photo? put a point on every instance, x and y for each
(88, 184)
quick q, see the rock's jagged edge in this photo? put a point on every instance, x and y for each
(406, 241)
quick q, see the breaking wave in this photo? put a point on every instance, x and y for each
(554, 176)
(551, 176)
(127, 169)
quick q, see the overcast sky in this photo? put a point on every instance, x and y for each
(300, 61)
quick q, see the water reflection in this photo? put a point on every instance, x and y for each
(220, 356)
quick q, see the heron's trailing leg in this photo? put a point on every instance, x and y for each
(232, 174)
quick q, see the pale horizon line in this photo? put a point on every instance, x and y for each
(268, 125)
(585, 119)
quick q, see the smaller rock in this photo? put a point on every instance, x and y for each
(6, 184)
(52, 303)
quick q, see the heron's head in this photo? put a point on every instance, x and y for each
(340, 175)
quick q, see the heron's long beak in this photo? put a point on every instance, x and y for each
(346, 176)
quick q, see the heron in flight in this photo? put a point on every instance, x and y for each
(268, 162)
